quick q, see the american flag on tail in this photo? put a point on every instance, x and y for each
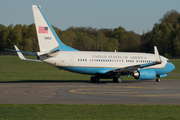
(43, 29)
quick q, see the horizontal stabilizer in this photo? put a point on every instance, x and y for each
(21, 56)
(31, 53)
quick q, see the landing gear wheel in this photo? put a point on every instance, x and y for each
(158, 80)
(117, 80)
(94, 79)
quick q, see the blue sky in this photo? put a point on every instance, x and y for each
(136, 15)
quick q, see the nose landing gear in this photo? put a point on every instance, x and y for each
(158, 79)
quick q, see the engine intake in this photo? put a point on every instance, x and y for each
(144, 74)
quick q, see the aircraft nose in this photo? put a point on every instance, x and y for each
(172, 67)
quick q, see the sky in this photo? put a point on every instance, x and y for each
(136, 15)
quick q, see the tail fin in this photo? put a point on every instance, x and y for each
(47, 38)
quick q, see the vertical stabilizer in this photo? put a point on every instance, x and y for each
(47, 38)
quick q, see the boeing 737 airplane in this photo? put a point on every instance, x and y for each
(142, 66)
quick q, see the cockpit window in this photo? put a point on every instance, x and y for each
(168, 61)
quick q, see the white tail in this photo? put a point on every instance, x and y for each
(47, 38)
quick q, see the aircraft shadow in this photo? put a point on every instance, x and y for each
(72, 81)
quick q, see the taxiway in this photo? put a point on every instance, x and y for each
(166, 92)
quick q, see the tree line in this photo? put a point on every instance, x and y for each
(165, 35)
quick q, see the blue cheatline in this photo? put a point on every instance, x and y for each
(97, 70)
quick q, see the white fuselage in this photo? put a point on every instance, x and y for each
(102, 59)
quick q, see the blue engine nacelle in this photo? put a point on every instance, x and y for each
(144, 74)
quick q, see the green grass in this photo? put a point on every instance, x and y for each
(12, 69)
(89, 112)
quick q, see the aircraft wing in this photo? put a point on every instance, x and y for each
(130, 69)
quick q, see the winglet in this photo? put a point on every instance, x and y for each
(21, 56)
(157, 57)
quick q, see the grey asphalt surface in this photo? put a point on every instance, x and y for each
(166, 92)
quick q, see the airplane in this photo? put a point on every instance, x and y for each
(111, 65)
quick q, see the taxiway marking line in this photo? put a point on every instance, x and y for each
(160, 95)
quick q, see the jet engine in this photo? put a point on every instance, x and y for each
(144, 74)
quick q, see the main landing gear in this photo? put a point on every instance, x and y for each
(94, 79)
(117, 80)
